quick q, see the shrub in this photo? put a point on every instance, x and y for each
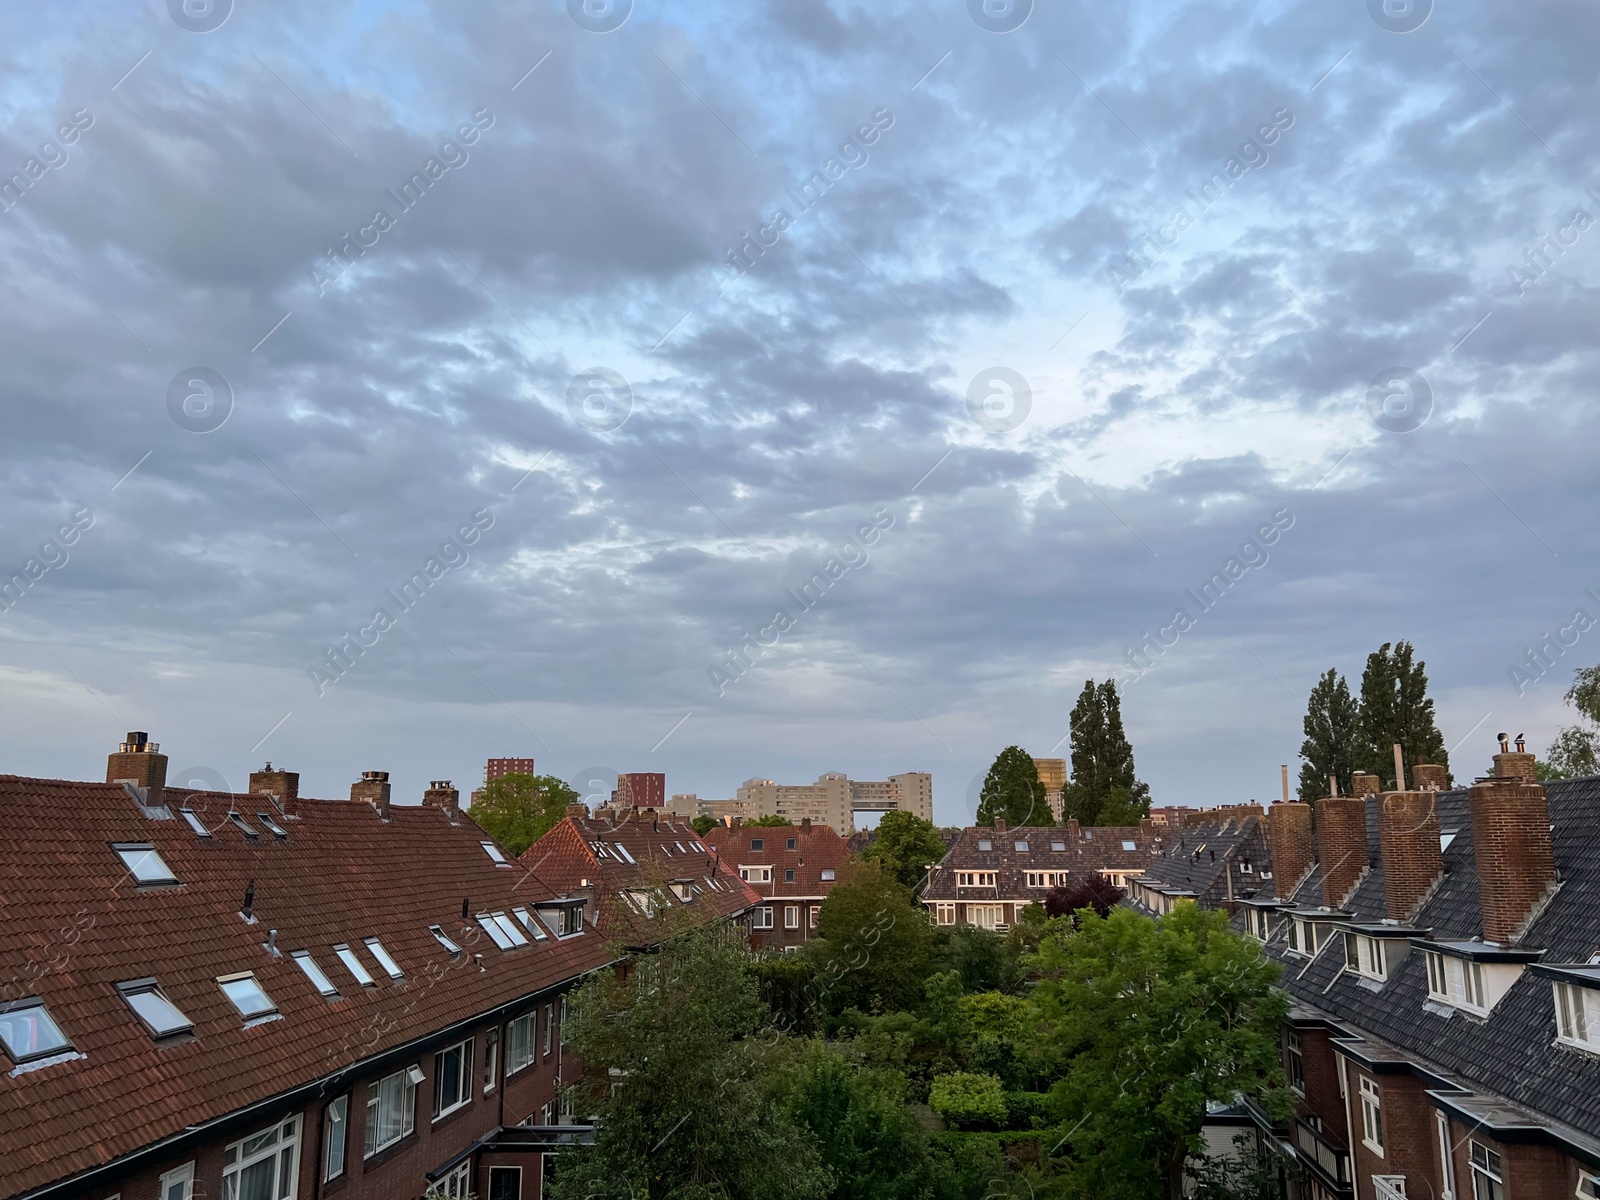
(969, 1101)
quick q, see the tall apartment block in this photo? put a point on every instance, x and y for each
(1053, 774)
(497, 767)
(833, 800)
(640, 789)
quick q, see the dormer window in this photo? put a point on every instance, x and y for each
(1364, 955)
(984, 879)
(1457, 982)
(757, 874)
(683, 890)
(1577, 1016)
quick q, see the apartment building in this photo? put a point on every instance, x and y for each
(833, 800)
(266, 995)
(991, 874)
(792, 868)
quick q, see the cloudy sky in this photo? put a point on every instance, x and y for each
(684, 298)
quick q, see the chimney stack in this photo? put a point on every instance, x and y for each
(1341, 843)
(374, 789)
(578, 810)
(441, 795)
(1286, 783)
(1511, 842)
(1072, 831)
(999, 824)
(1289, 839)
(139, 761)
(282, 786)
(1430, 777)
(1408, 847)
(1364, 784)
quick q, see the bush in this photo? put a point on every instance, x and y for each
(1028, 1110)
(969, 1101)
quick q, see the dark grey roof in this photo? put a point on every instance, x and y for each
(1199, 858)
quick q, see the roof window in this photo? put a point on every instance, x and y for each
(143, 863)
(1020, 847)
(493, 852)
(247, 995)
(790, 843)
(29, 1032)
(827, 873)
(1126, 845)
(244, 826)
(355, 966)
(623, 851)
(1058, 846)
(532, 926)
(443, 939)
(1446, 836)
(194, 822)
(160, 1015)
(502, 930)
(985, 844)
(272, 827)
(758, 843)
(385, 959)
(318, 977)
(679, 845)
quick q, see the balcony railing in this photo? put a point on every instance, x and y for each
(1330, 1159)
(1389, 1187)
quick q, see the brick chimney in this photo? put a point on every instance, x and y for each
(441, 795)
(999, 824)
(139, 761)
(1408, 846)
(1430, 777)
(373, 787)
(578, 810)
(1511, 842)
(1363, 784)
(1072, 831)
(1290, 841)
(282, 786)
(1341, 845)
(805, 822)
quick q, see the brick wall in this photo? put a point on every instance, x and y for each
(1511, 842)
(1341, 845)
(1529, 1172)
(1408, 1135)
(1290, 837)
(1408, 846)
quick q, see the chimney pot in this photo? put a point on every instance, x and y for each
(1430, 777)
(442, 795)
(139, 761)
(999, 824)
(1364, 784)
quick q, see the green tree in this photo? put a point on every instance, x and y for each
(518, 809)
(675, 1077)
(704, 825)
(906, 845)
(769, 821)
(1396, 707)
(1102, 761)
(874, 947)
(1333, 732)
(968, 1100)
(1012, 791)
(1153, 1020)
(1576, 750)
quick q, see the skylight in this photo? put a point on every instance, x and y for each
(143, 863)
(623, 851)
(29, 1032)
(246, 994)
(985, 844)
(502, 930)
(276, 830)
(698, 847)
(348, 957)
(758, 843)
(160, 1015)
(319, 978)
(827, 873)
(1445, 838)
(245, 827)
(1129, 846)
(1058, 845)
(443, 939)
(679, 845)
(385, 959)
(195, 823)
(493, 852)
(1020, 847)
(532, 926)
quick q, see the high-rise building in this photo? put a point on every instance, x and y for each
(833, 800)
(641, 789)
(497, 767)
(1053, 774)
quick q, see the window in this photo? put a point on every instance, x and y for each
(505, 1183)
(642, 901)
(491, 1059)
(571, 920)
(244, 826)
(975, 878)
(502, 931)
(391, 1109)
(452, 1078)
(272, 827)
(1020, 847)
(143, 863)
(532, 926)
(758, 843)
(985, 844)
(1371, 1117)
(519, 1043)
(547, 1113)
(1446, 1153)
(1486, 1181)
(1588, 1186)
(333, 1137)
(788, 874)
(827, 874)
(987, 916)
(264, 1165)
(1457, 982)
(494, 853)
(790, 844)
(763, 917)
(194, 822)
(756, 874)
(1126, 845)
(385, 960)
(247, 995)
(1058, 847)
(622, 852)
(177, 1184)
(549, 1028)
(1578, 1016)
(1306, 937)
(946, 913)
(1364, 956)
(160, 1015)
(318, 977)
(791, 916)
(1046, 879)
(455, 1183)
(1296, 1061)
(348, 957)
(29, 1032)
(443, 939)
(816, 910)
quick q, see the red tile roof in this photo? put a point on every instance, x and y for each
(73, 924)
(817, 848)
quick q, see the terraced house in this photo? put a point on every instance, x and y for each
(267, 997)
(791, 868)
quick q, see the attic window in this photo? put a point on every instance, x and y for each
(194, 822)
(1446, 836)
(143, 863)
(160, 1015)
(1058, 846)
(244, 826)
(1364, 956)
(318, 977)
(626, 857)
(502, 930)
(985, 844)
(532, 926)
(1130, 845)
(385, 959)
(827, 874)
(1457, 982)
(443, 939)
(29, 1032)
(1020, 847)
(679, 845)
(684, 890)
(790, 843)
(356, 967)
(758, 843)
(493, 852)
(247, 995)
(698, 847)
(276, 830)
(1577, 1016)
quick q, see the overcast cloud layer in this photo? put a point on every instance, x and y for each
(1357, 201)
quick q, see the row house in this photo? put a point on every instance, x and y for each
(1216, 858)
(263, 995)
(991, 874)
(792, 868)
(1441, 948)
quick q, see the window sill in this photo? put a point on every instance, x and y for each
(1378, 1150)
(451, 1111)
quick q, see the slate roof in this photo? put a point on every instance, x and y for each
(1199, 857)
(1512, 1053)
(1082, 854)
(614, 859)
(817, 849)
(73, 924)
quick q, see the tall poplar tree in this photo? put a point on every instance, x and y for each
(1103, 781)
(1012, 791)
(1396, 707)
(1333, 731)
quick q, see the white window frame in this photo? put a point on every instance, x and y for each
(283, 1152)
(314, 972)
(1371, 1096)
(336, 1128)
(1588, 1185)
(756, 874)
(549, 1029)
(144, 864)
(384, 958)
(1457, 982)
(1491, 1171)
(491, 1059)
(519, 1042)
(501, 1167)
(408, 1078)
(1577, 1015)
(457, 1182)
(1296, 1054)
(177, 1177)
(353, 964)
(828, 874)
(976, 879)
(1365, 956)
(462, 1069)
(1447, 1161)
(791, 916)
(816, 911)
(761, 917)
(945, 913)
